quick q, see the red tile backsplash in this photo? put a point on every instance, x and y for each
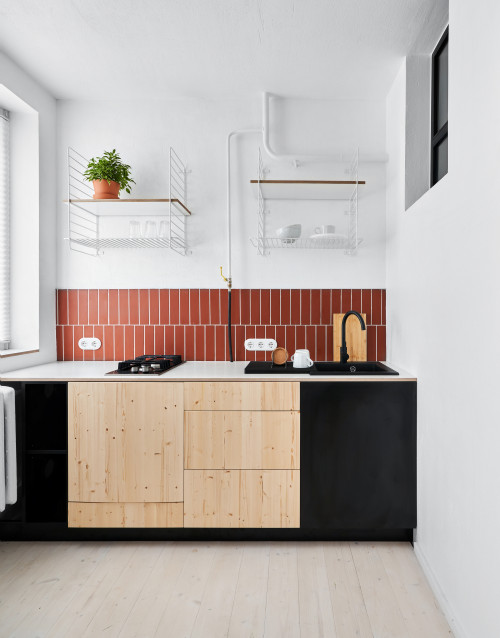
(192, 322)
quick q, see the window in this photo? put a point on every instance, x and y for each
(4, 231)
(439, 114)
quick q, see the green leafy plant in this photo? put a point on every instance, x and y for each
(109, 167)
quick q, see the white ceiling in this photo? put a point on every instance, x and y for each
(93, 49)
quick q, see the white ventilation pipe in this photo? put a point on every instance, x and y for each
(4, 231)
(297, 159)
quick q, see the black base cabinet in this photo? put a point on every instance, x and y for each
(358, 455)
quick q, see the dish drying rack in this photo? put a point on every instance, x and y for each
(89, 217)
(347, 191)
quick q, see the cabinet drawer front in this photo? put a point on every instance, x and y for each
(242, 498)
(125, 442)
(242, 395)
(241, 440)
(125, 515)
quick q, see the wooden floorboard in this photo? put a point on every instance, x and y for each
(212, 590)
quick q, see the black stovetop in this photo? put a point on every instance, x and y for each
(148, 364)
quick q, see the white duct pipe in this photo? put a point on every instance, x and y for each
(4, 232)
(297, 159)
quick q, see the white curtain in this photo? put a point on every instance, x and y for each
(4, 231)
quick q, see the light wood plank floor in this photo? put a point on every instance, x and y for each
(210, 590)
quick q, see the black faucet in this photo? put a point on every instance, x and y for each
(344, 356)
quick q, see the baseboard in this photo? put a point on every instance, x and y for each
(444, 603)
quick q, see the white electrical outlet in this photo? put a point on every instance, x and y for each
(89, 343)
(261, 344)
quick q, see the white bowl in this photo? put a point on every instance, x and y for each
(289, 232)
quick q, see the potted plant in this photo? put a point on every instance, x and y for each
(109, 175)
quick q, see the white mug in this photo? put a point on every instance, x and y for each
(301, 359)
(327, 229)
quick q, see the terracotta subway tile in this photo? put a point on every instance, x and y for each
(174, 306)
(326, 307)
(376, 307)
(160, 340)
(109, 343)
(170, 340)
(315, 307)
(311, 341)
(164, 306)
(133, 306)
(223, 306)
(123, 306)
(265, 307)
(371, 348)
(366, 304)
(62, 307)
(199, 337)
(113, 306)
(329, 343)
(149, 340)
(281, 336)
(210, 343)
(139, 341)
(233, 336)
(214, 306)
(321, 343)
(346, 300)
(103, 307)
(194, 306)
(220, 343)
(204, 306)
(276, 307)
(189, 346)
(154, 306)
(381, 343)
(305, 307)
(235, 307)
(129, 342)
(356, 300)
(384, 304)
(295, 307)
(94, 307)
(184, 306)
(179, 341)
(255, 307)
(300, 337)
(290, 340)
(99, 333)
(77, 335)
(119, 338)
(143, 307)
(73, 307)
(239, 344)
(68, 343)
(244, 306)
(59, 343)
(336, 303)
(285, 307)
(83, 307)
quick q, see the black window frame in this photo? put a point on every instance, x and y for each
(437, 136)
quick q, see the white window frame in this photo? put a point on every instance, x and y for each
(5, 334)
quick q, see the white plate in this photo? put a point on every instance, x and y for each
(328, 236)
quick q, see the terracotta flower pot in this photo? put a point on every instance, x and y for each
(103, 190)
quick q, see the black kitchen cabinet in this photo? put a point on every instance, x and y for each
(358, 455)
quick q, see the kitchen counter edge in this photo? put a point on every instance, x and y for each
(188, 371)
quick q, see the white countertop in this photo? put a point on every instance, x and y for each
(188, 371)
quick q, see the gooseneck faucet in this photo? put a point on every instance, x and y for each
(344, 356)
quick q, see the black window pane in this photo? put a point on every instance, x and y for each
(440, 164)
(441, 87)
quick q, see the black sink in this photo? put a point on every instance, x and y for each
(322, 367)
(351, 368)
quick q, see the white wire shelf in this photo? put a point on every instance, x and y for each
(127, 242)
(98, 224)
(336, 243)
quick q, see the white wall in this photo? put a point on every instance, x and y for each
(142, 131)
(443, 268)
(43, 271)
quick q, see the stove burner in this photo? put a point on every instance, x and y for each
(148, 364)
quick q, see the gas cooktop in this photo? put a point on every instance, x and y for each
(148, 364)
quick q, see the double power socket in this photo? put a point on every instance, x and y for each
(261, 344)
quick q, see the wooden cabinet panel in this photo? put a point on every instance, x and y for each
(125, 515)
(241, 498)
(125, 442)
(241, 440)
(244, 395)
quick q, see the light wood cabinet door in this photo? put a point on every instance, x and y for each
(241, 498)
(241, 440)
(125, 515)
(242, 395)
(125, 442)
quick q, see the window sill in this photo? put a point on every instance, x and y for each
(15, 353)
